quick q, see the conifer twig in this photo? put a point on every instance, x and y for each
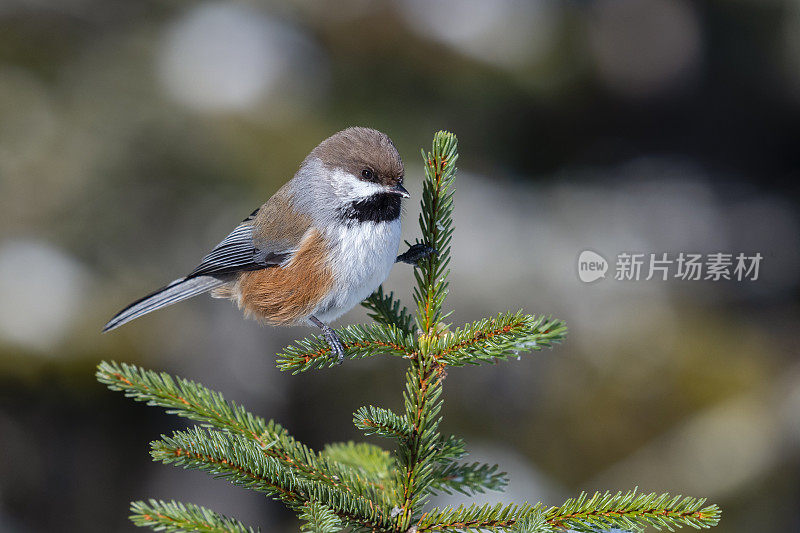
(359, 342)
(319, 518)
(369, 461)
(175, 516)
(633, 511)
(378, 421)
(239, 461)
(630, 511)
(468, 478)
(191, 400)
(417, 454)
(386, 309)
(502, 337)
(450, 449)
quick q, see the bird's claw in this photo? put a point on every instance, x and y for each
(416, 253)
(337, 348)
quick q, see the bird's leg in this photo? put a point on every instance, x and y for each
(337, 348)
(415, 253)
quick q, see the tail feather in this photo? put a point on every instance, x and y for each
(178, 290)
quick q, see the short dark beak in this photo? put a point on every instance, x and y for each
(399, 190)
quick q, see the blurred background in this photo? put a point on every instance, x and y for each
(134, 135)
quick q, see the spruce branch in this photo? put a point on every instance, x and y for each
(319, 518)
(239, 461)
(485, 517)
(633, 511)
(386, 309)
(175, 516)
(449, 475)
(436, 224)
(359, 341)
(630, 511)
(229, 457)
(194, 401)
(370, 462)
(467, 478)
(451, 449)
(417, 456)
(534, 522)
(383, 422)
(504, 336)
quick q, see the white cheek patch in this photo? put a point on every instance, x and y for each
(350, 187)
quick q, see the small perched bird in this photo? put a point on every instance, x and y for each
(324, 242)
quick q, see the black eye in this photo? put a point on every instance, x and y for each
(367, 174)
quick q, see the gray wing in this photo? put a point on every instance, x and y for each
(238, 252)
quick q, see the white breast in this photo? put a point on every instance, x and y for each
(362, 254)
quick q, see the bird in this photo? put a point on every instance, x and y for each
(320, 245)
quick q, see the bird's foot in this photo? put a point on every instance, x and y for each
(416, 253)
(337, 348)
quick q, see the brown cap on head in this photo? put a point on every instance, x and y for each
(357, 150)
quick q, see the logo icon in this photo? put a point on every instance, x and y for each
(591, 266)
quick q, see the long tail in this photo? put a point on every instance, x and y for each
(178, 290)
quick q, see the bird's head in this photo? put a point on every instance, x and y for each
(361, 163)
